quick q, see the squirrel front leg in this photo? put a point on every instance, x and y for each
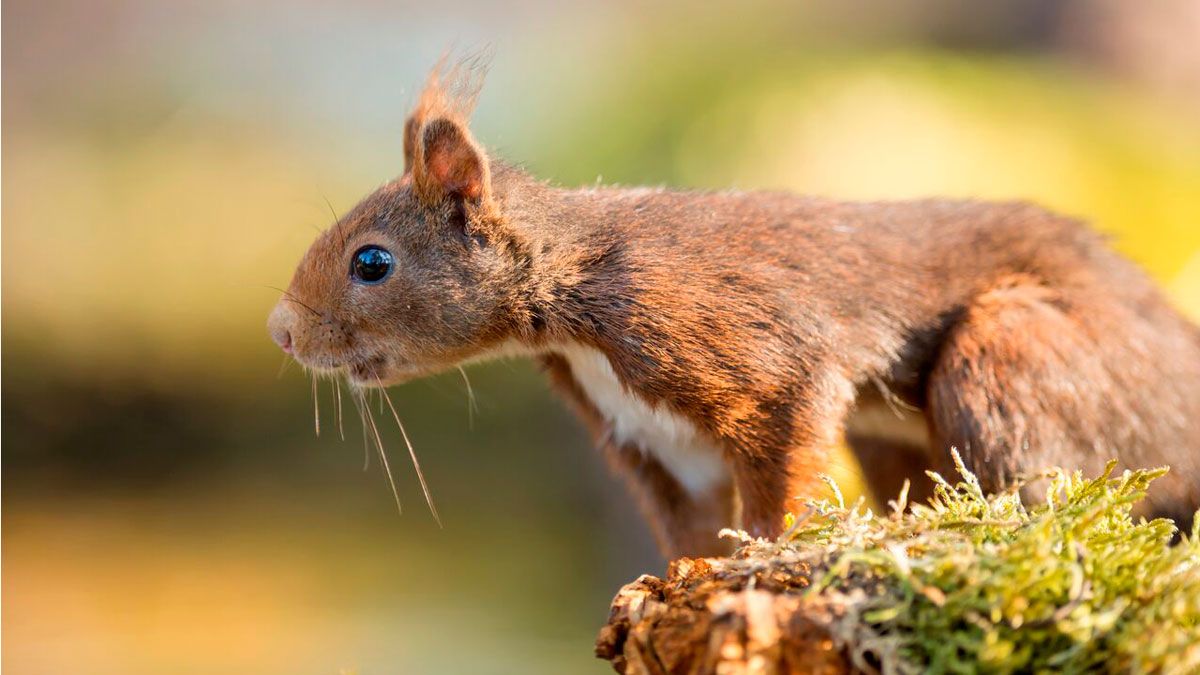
(774, 475)
(684, 523)
(772, 485)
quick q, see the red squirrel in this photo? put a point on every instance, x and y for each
(719, 345)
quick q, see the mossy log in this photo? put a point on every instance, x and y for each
(966, 583)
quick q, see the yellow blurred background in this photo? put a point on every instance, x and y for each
(166, 505)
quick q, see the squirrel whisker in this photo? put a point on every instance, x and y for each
(387, 469)
(472, 406)
(287, 361)
(292, 298)
(412, 453)
(337, 392)
(362, 418)
(337, 222)
(316, 399)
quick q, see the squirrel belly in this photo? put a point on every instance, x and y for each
(687, 453)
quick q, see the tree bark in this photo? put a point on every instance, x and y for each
(731, 616)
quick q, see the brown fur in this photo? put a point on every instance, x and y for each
(767, 321)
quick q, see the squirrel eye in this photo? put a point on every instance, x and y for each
(371, 265)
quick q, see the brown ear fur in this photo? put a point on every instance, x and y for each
(439, 151)
(450, 163)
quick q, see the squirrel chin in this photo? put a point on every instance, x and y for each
(381, 373)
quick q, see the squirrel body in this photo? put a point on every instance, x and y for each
(720, 345)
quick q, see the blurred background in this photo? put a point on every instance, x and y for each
(166, 504)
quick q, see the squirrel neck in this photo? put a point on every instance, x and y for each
(575, 241)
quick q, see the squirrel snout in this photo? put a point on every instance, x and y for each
(279, 327)
(285, 342)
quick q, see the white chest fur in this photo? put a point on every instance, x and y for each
(687, 453)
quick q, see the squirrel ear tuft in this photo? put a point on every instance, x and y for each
(448, 162)
(412, 127)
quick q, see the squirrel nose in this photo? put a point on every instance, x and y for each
(278, 325)
(285, 342)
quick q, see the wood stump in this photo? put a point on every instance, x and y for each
(723, 615)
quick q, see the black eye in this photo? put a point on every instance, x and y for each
(371, 265)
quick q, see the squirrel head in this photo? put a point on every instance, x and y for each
(421, 274)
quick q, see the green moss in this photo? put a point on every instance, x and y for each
(975, 583)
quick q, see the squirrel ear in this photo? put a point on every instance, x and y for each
(450, 163)
(412, 127)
